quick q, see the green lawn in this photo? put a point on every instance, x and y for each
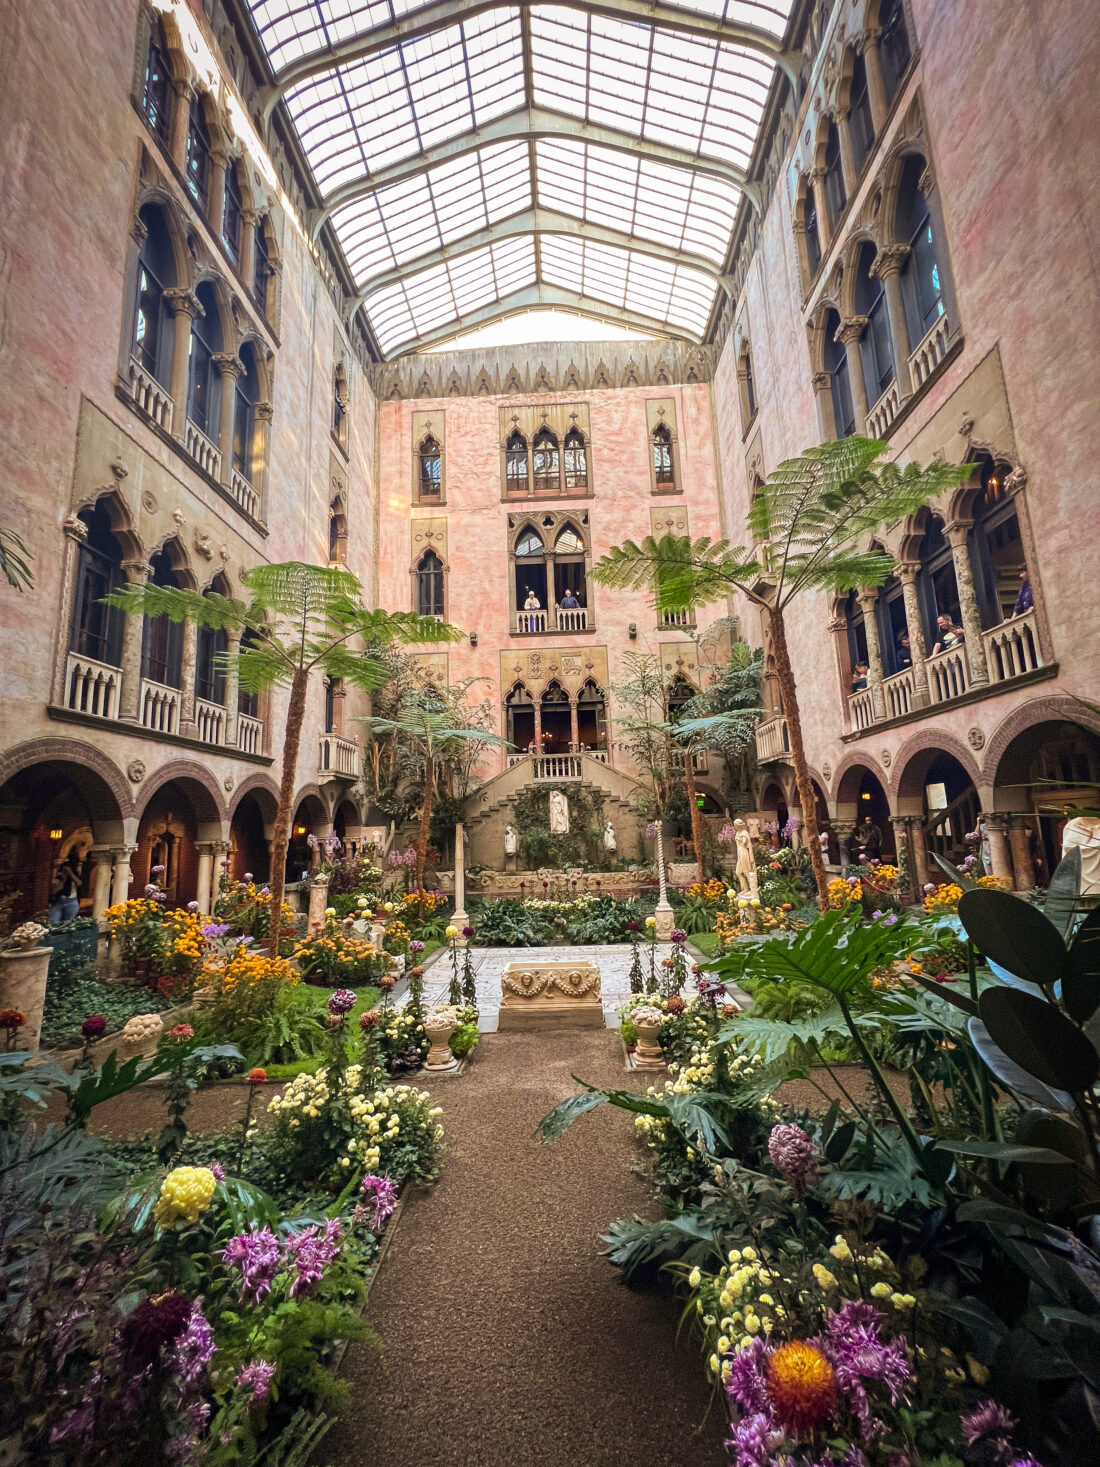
(706, 942)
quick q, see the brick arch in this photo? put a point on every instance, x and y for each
(940, 743)
(1042, 710)
(187, 772)
(308, 791)
(71, 752)
(858, 761)
(255, 784)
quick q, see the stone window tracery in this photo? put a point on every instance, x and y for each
(232, 214)
(921, 276)
(263, 270)
(836, 196)
(162, 639)
(198, 164)
(337, 531)
(211, 645)
(813, 230)
(860, 123)
(515, 454)
(430, 585)
(894, 48)
(246, 397)
(97, 629)
(153, 325)
(840, 385)
(576, 461)
(429, 470)
(156, 95)
(203, 394)
(545, 463)
(876, 347)
(661, 443)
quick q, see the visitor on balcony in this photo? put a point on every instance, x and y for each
(905, 655)
(945, 628)
(859, 677)
(1024, 600)
(568, 602)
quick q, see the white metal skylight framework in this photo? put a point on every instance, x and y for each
(469, 153)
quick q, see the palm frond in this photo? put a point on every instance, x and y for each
(679, 572)
(301, 592)
(15, 561)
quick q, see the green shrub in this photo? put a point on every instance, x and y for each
(463, 1039)
(506, 924)
(69, 1004)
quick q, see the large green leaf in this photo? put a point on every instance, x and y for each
(1040, 1038)
(1081, 984)
(1063, 895)
(771, 1038)
(1014, 934)
(836, 953)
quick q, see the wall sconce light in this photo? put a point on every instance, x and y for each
(473, 639)
(632, 631)
(299, 830)
(56, 834)
(865, 797)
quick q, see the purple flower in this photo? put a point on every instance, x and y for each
(858, 1353)
(93, 1026)
(748, 1382)
(194, 1349)
(754, 1440)
(256, 1377)
(651, 830)
(928, 886)
(380, 1195)
(150, 889)
(265, 891)
(192, 906)
(416, 946)
(853, 880)
(217, 1171)
(311, 1253)
(258, 1256)
(247, 876)
(890, 919)
(215, 929)
(876, 914)
(78, 1422)
(224, 863)
(679, 935)
(793, 1155)
(467, 932)
(987, 1420)
(156, 870)
(634, 926)
(342, 1002)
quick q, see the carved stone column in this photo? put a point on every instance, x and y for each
(205, 879)
(824, 224)
(574, 724)
(188, 660)
(867, 44)
(999, 859)
(129, 703)
(908, 571)
(232, 686)
(903, 826)
(185, 307)
(538, 726)
(102, 858)
(120, 873)
(261, 449)
(920, 855)
(247, 263)
(888, 265)
(868, 601)
(215, 209)
(76, 532)
(957, 535)
(460, 919)
(850, 334)
(184, 89)
(823, 395)
(1023, 869)
(229, 369)
(798, 228)
(848, 169)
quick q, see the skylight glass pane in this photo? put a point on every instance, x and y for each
(357, 118)
(401, 312)
(672, 293)
(398, 224)
(650, 200)
(291, 29)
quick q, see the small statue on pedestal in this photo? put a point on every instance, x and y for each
(746, 861)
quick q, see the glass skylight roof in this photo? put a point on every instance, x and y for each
(408, 105)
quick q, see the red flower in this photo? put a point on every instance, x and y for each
(93, 1026)
(14, 1019)
(258, 1076)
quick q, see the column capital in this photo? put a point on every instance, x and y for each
(869, 36)
(183, 302)
(798, 226)
(228, 363)
(75, 528)
(956, 531)
(185, 87)
(816, 173)
(995, 819)
(867, 598)
(908, 571)
(251, 217)
(1016, 482)
(890, 260)
(137, 572)
(206, 847)
(101, 855)
(822, 381)
(851, 329)
(264, 411)
(122, 853)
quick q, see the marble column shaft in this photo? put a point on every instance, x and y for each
(133, 628)
(908, 571)
(868, 601)
(957, 535)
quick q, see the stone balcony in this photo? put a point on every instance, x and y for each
(773, 740)
(1011, 650)
(557, 766)
(338, 758)
(561, 619)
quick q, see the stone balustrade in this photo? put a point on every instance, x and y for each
(159, 707)
(1012, 648)
(205, 453)
(339, 757)
(930, 352)
(897, 693)
(209, 721)
(154, 400)
(884, 412)
(243, 492)
(772, 740)
(92, 687)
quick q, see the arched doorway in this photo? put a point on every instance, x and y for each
(1047, 770)
(773, 805)
(248, 839)
(592, 717)
(309, 819)
(938, 788)
(861, 807)
(519, 710)
(348, 825)
(166, 854)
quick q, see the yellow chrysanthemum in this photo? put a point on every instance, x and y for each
(185, 1193)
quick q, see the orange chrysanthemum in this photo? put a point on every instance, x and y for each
(802, 1386)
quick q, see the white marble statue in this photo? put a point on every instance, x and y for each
(511, 840)
(610, 844)
(559, 813)
(1083, 833)
(746, 861)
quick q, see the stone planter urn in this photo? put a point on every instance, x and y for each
(648, 1055)
(23, 973)
(439, 1031)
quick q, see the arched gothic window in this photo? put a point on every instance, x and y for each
(162, 639)
(211, 646)
(545, 462)
(921, 277)
(893, 47)
(232, 214)
(97, 629)
(836, 365)
(203, 393)
(569, 570)
(515, 455)
(997, 549)
(746, 384)
(875, 347)
(592, 716)
(520, 717)
(835, 194)
(430, 469)
(813, 231)
(937, 586)
(429, 585)
(576, 460)
(663, 470)
(861, 127)
(246, 395)
(153, 324)
(197, 172)
(248, 703)
(262, 268)
(156, 95)
(530, 574)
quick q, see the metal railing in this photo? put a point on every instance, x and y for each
(160, 707)
(205, 453)
(930, 352)
(250, 734)
(153, 399)
(339, 756)
(884, 411)
(772, 739)
(1012, 648)
(243, 492)
(92, 687)
(209, 721)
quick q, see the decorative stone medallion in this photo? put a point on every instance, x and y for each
(887, 758)
(228, 783)
(135, 771)
(826, 771)
(975, 737)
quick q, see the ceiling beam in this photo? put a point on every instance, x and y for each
(543, 295)
(530, 123)
(535, 222)
(440, 13)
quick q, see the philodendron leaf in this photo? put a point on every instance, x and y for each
(1064, 893)
(1013, 1075)
(1081, 985)
(1041, 1038)
(1015, 935)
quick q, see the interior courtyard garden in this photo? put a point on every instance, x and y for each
(550, 748)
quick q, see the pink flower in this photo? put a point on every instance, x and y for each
(256, 1377)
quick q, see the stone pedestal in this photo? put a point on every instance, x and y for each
(534, 994)
(648, 1054)
(666, 920)
(23, 987)
(318, 901)
(460, 919)
(439, 1057)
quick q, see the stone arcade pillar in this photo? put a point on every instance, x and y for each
(996, 826)
(903, 840)
(229, 369)
(133, 628)
(908, 571)
(120, 874)
(187, 678)
(850, 334)
(868, 600)
(888, 266)
(205, 880)
(867, 43)
(221, 853)
(460, 919)
(101, 879)
(957, 533)
(1022, 867)
(232, 686)
(185, 306)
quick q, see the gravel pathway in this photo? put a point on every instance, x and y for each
(505, 1340)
